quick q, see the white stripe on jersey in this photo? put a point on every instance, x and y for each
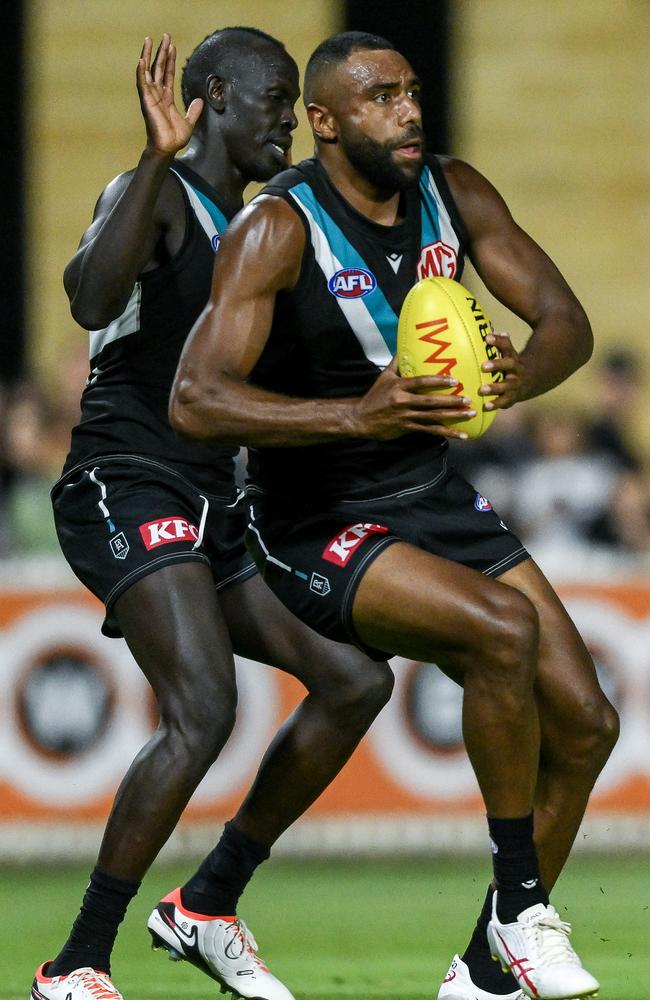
(201, 212)
(124, 325)
(447, 231)
(356, 312)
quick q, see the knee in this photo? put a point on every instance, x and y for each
(360, 692)
(506, 639)
(592, 734)
(198, 723)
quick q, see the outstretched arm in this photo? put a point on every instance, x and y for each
(129, 218)
(259, 256)
(521, 276)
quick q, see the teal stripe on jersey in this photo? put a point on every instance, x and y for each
(375, 302)
(429, 211)
(217, 216)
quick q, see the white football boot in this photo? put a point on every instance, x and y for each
(537, 950)
(222, 947)
(458, 985)
(82, 984)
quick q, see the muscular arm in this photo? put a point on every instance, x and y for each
(136, 209)
(518, 273)
(259, 256)
(118, 245)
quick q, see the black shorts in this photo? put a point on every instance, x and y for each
(313, 559)
(120, 518)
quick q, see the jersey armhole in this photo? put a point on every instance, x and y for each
(450, 204)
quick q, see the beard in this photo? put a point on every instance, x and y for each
(374, 161)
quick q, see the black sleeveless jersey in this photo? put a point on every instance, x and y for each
(337, 329)
(133, 361)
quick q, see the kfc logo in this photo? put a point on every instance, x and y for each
(164, 531)
(437, 260)
(339, 550)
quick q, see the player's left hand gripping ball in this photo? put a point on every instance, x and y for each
(443, 330)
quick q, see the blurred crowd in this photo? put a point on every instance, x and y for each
(570, 484)
(35, 426)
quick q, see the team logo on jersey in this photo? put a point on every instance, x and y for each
(341, 547)
(215, 241)
(119, 546)
(319, 584)
(482, 503)
(165, 530)
(352, 283)
(437, 260)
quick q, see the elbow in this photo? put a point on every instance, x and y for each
(89, 317)
(186, 412)
(585, 341)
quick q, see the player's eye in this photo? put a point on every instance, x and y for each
(415, 95)
(382, 98)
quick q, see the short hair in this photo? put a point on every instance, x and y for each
(335, 50)
(218, 48)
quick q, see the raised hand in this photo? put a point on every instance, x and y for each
(168, 131)
(394, 406)
(509, 390)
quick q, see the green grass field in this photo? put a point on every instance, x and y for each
(363, 930)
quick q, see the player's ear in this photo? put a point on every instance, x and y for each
(215, 93)
(323, 123)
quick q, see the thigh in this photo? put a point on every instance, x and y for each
(263, 629)
(419, 605)
(175, 629)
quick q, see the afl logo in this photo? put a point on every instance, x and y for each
(482, 503)
(215, 241)
(352, 283)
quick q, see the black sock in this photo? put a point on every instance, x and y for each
(485, 972)
(94, 931)
(516, 871)
(222, 877)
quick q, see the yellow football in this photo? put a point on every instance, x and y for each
(442, 331)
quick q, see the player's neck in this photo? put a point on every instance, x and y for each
(380, 206)
(210, 160)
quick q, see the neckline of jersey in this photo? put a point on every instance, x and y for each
(388, 233)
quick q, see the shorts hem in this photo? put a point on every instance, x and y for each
(508, 562)
(138, 574)
(242, 574)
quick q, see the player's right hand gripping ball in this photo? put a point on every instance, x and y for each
(442, 331)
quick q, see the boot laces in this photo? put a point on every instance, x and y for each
(552, 940)
(249, 942)
(97, 985)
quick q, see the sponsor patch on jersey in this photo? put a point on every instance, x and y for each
(215, 241)
(482, 503)
(352, 283)
(437, 260)
(119, 546)
(341, 547)
(166, 530)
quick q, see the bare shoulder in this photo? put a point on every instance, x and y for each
(464, 179)
(268, 215)
(168, 203)
(476, 197)
(268, 236)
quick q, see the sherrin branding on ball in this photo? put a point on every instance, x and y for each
(442, 331)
